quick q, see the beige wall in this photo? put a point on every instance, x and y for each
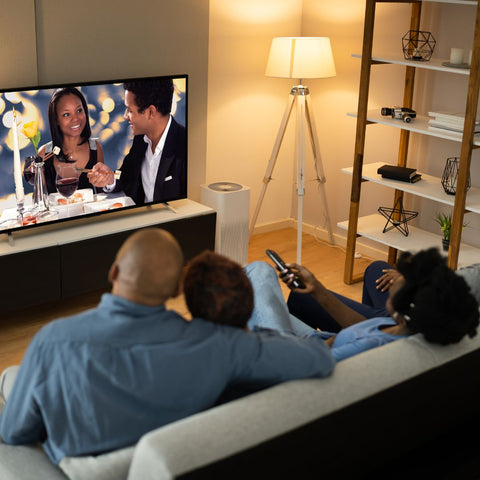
(18, 53)
(245, 107)
(92, 40)
(223, 45)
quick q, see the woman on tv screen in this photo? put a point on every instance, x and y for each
(70, 130)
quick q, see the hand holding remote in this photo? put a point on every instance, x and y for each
(281, 267)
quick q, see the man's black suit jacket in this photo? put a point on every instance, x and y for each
(171, 180)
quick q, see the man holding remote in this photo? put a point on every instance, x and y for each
(99, 380)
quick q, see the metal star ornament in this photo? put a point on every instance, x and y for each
(397, 217)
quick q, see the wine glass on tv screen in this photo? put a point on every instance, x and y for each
(66, 181)
(28, 169)
(128, 139)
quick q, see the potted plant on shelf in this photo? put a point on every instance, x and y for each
(445, 222)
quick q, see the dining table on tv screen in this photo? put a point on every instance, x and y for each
(82, 202)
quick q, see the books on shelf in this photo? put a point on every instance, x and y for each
(403, 174)
(453, 122)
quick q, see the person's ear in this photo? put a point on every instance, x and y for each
(113, 273)
(151, 111)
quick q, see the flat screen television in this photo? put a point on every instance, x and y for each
(118, 129)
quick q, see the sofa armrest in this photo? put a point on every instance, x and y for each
(471, 274)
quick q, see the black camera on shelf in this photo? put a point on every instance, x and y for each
(401, 113)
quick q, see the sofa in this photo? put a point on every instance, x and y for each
(408, 409)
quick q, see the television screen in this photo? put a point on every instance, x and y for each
(91, 148)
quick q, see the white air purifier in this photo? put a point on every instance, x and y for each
(231, 201)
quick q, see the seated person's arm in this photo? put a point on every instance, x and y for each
(341, 313)
(21, 420)
(267, 358)
(355, 347)
(329, 341)
(387, 279)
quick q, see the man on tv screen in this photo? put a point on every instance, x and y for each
(154, 170)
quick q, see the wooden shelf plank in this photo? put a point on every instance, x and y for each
(454, 2)
(371, 227)
(428, 187)
(433, 64)
(417, 125)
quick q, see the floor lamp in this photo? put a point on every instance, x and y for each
(299, 57)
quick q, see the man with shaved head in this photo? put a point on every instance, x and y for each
(99, 380)
(147, 268)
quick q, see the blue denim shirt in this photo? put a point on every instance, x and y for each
(363, 336)
(99, 380)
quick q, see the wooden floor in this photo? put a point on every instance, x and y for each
(324, 260)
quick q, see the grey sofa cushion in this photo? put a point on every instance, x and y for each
(27, 462)
(109, 466)
(471, 274)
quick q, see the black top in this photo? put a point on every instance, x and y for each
(171, 178)
(50, 173)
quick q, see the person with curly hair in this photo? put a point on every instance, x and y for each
(425, 297)
(217, 289)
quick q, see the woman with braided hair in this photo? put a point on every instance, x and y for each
(423, 296)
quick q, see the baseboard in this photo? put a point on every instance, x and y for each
(276, 225)
(362, 247)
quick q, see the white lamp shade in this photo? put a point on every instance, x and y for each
(300, 57)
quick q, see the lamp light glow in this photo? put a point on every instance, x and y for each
(300, 57)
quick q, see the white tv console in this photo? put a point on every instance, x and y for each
(52, 262)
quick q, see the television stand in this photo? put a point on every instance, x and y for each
(49, 263)
(11, 241)
(169, 207)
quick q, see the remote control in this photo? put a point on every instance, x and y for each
(281, 266)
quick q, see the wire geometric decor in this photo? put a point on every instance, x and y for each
(418, 45)
(450, 176)
(397, 217)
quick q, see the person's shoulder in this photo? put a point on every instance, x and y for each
(67, 327)
(176, 128)
(222, 334)
(376, 322)
(139, 142)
